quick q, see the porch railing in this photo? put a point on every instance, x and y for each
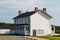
(27, 32)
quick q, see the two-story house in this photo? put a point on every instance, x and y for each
(33, 23)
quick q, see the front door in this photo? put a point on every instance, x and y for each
(34, 32)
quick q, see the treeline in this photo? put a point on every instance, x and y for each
(5, 24)
(57, 28)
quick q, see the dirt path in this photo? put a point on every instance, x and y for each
(20, 38)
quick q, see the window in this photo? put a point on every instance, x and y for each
(14, 28)
(21, 21)
(23, 28)
(25, 20)
(28, 20)
(52, 28)
(27, 28)
(15, 21)
(20, 28)
(18, 22)
(17, 28)
(40, 31)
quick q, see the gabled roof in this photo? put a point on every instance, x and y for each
(47, 14)
(29, 14)
(25, 14)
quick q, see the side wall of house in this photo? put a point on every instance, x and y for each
(40, 23)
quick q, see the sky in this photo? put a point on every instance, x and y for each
(10, 8)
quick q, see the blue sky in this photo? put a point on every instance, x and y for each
(9, 8)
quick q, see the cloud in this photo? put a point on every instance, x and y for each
(8, 3)
(30, 4)
(23, 4)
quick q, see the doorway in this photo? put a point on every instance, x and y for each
(34, 32)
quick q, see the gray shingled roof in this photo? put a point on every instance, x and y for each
(25, 14)
(29, 14)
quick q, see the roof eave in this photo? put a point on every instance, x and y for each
(48, 14)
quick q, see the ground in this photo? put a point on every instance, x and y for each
(18, 38)
(50, 37)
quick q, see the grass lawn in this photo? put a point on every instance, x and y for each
(49, 37)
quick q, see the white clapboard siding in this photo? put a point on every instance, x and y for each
(4, 31)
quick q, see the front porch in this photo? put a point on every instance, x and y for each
(53, 29)
(22, 29)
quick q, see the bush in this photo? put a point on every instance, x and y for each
(56, 35)
(57, 31)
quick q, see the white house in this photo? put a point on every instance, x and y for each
(4, 30)
(33, 23)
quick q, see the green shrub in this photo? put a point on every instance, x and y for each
(57, 31)
(56, 35)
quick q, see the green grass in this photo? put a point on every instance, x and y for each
(49, 37)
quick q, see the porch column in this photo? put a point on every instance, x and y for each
(15, 28)
(54, 29)
(25, 29)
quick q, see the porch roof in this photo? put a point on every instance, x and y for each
(19, 24)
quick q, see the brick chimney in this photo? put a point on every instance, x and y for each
(27, 11)
(36, 9)
(19, 12)
(44, 10)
